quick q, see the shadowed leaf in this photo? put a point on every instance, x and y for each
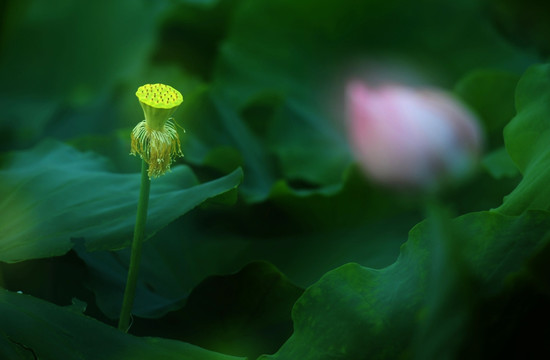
(53, 193)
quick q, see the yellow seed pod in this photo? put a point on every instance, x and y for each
(155, 139)
(159, 96)
(158, 102)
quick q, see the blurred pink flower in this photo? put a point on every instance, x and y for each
(410, 138)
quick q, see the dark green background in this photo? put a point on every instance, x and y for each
(285, 248)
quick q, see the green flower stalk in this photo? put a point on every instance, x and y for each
(156, 141)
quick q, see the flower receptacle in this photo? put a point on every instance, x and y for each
(156, 139)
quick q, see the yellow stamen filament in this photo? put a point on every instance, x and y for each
(158, 148)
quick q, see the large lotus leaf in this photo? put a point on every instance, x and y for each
(188, 251)
(172, 265)
(368, 222)
(246, 313)
(527, 137)
(222, 240)
(356, 312)
(161, 285)
(53, 193)
(34, 329)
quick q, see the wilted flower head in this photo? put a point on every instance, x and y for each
(155, 139)
(410, 138)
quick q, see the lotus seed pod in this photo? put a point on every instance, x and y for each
(159, 102)
(156, 139)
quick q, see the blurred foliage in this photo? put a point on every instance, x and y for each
(524, 22)
(295, 255)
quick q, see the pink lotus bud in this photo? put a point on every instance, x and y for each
(410, 138)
